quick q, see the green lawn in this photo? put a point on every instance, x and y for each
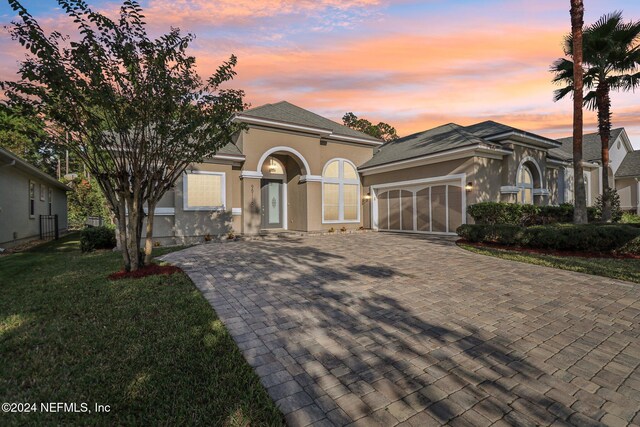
(150, 348)
(623, 269)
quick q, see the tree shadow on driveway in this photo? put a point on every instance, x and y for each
(337, 334)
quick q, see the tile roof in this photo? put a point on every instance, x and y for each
(439, 139)
(630, 166)
(591, 146)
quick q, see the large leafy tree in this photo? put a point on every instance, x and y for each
(24, 136)
(132, 108)
(611, 61)
(381, 131)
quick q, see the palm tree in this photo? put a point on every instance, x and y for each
(574, 44)
(611, 56)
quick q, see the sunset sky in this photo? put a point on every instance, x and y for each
(413, 64)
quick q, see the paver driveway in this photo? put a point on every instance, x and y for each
(384, 329)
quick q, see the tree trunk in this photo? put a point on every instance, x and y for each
(580, 199)
(134, 233)
(148, 244)
(603, 102)
(122, 232)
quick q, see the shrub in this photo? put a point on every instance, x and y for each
(491, 213)
(502, 213)
(93, 238)
(504, 234)
(567, 237)
(616, 211)
(630, 218)
(632, 247)
(592, 238)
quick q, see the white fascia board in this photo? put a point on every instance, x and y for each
(591, 164)
(311, 178)
(228, 157)
(525, 136)
(558, 162)
(250, 174)
(509, 189)
(334, 136)
(541, 192)
(460, 177)
(283, 125)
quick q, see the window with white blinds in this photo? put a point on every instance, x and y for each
(204, 190)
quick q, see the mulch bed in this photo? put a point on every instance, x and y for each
(147, 270)
(578, 254)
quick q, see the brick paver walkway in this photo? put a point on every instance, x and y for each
(382, 329)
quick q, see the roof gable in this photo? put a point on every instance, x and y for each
(441, 138)
(287, 113)
(591, 145)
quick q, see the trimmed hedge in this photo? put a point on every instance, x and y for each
(566, 237)
(93, 238)
(492, 213)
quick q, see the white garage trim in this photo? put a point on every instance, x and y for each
(456, 179)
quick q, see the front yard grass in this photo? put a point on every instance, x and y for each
(152, 349)
(615, 268)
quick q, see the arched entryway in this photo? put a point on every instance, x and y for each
(283, 199)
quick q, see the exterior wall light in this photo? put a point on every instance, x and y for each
(367, 196)
(469, 186)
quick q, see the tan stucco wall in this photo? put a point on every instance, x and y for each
(433, 170)
(14, 206)
(628, 190)
(304, 199)
(552, 175)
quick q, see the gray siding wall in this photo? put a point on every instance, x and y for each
(14, 206)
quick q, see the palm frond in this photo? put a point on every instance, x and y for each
(626, 82)
(559, 94)
(590, 100)
(563, 69)
(605, 26)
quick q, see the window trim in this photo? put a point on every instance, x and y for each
(341, 181)
(185, 193)
(50, 200)
(32, 200)
(523, 186)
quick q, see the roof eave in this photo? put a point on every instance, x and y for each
(528, 137)
(322, 132)
(17, 162)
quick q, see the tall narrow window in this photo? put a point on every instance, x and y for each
(50, 200)
(32, 199)
(341, 192)
(525, 184)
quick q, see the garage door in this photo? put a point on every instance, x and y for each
(434, 208)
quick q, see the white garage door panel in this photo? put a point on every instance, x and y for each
(434, 208)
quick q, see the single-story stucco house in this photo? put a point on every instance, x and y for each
(30, 200)
(292, 169)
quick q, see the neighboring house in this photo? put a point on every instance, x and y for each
(295, 170)
(26, 194)
(624, 167)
